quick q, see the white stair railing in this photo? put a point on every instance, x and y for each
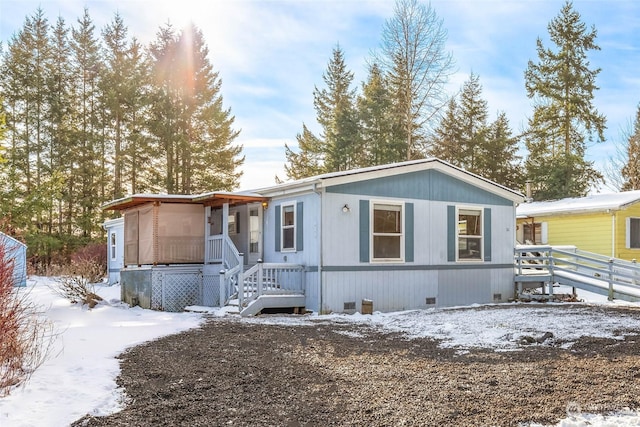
(271, 279)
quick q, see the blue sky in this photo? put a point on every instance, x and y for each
(271, 53)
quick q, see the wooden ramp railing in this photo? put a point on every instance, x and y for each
(566, 265)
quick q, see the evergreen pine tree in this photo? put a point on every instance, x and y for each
(115, 93)
(196, 134)
(380, 144)
(59, 122)
(472, 116)
(309, 159)
(446, 144)
(339, 145)
(562, 85)
(88, 126)
(631, 170)
(336, 114)
(164, 112)
(500, 161)
(141, 163)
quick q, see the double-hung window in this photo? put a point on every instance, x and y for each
(288, 237)
(387, 239)
(469, 234)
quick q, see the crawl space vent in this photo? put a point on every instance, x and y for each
(497, 297)
(431, 301)
(350, 305)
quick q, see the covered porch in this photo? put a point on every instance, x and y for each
(233, 257)
(204, 250)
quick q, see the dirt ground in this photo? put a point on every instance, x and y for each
(231, 372)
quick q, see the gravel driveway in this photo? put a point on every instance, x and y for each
(235, 372)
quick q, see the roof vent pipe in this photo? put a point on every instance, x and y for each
(529, 198)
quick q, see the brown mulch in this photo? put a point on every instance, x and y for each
(234, 372)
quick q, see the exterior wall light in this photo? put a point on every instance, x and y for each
(346, 208)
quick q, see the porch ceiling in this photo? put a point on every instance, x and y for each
(216, 200)
(140, 199)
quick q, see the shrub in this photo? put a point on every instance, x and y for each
(78, 290)
(26, 337)
(93, 252)
(77, 284)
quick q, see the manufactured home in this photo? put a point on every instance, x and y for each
(401, 236)
(607, 224)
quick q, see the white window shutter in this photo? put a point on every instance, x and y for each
(544, 233)
(627, 233)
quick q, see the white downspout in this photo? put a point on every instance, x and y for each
(613, 234)
(320, 283)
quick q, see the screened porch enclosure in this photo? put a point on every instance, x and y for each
(164, 233)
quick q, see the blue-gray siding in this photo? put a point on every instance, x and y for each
(422, 185)
(16, 253)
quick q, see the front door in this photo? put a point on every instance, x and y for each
(255, 233)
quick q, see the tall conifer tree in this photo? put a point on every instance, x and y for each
(308, 160)
(115, 93)
(196, 132)
(446, 143)
(500, 161)
(631, 170)
(336, 114)
(381, 144)
(339, 146)
(88, 63)
(563, 85)
(59, 121)
(472, 116)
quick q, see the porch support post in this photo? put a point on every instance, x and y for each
(207, 234)
(260, 277)
(225, 232)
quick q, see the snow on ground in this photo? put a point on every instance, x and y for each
(80, 379)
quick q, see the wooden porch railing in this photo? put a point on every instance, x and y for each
(221, 250)
(262, 279)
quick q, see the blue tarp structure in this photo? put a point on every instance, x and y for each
(16, 252)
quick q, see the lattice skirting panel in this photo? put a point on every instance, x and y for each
(211, 290)
(157, 277)
(181, 290)
(175, 290)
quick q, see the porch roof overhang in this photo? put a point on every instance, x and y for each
(219, 198)
(140, 199)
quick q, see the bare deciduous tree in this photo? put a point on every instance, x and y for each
(412, 55)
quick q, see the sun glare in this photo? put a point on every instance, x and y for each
(180, 13)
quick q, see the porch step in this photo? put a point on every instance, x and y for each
(272, 301)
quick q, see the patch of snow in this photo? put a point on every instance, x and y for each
(80, 379)
(625, 418)
(80, 376)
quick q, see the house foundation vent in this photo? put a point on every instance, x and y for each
(497, 297)
(351, 305)
(430, 301)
